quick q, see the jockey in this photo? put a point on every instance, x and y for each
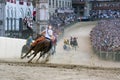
(48, 34)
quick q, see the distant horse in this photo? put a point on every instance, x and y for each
(74, 43)
(42, 47)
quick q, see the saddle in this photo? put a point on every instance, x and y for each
(41, 38)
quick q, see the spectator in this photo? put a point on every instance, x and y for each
(34, 15)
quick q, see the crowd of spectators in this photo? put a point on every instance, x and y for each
(102, 14)
(108, 4)
(60, 20)
(28, 23)
(106, 36)
(105, 10)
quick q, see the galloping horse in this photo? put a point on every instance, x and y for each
(74, 43)
(43, 47)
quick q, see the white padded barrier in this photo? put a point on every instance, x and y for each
(11, 47)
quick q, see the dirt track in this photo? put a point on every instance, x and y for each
(9, 71)
(25, 71)
(84, 53)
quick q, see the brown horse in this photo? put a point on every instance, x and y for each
(43, 47)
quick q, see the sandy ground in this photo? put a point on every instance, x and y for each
(82, 56)
(80, 30)
(16, 72)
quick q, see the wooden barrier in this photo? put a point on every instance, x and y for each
(114, 56)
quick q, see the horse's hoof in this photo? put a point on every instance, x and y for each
(28, 56)
(29, 62)
(22, 57)
(46, 60)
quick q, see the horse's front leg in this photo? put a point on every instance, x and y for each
(30, 55)
(41, 54)
(35, 53)
(26, 54)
